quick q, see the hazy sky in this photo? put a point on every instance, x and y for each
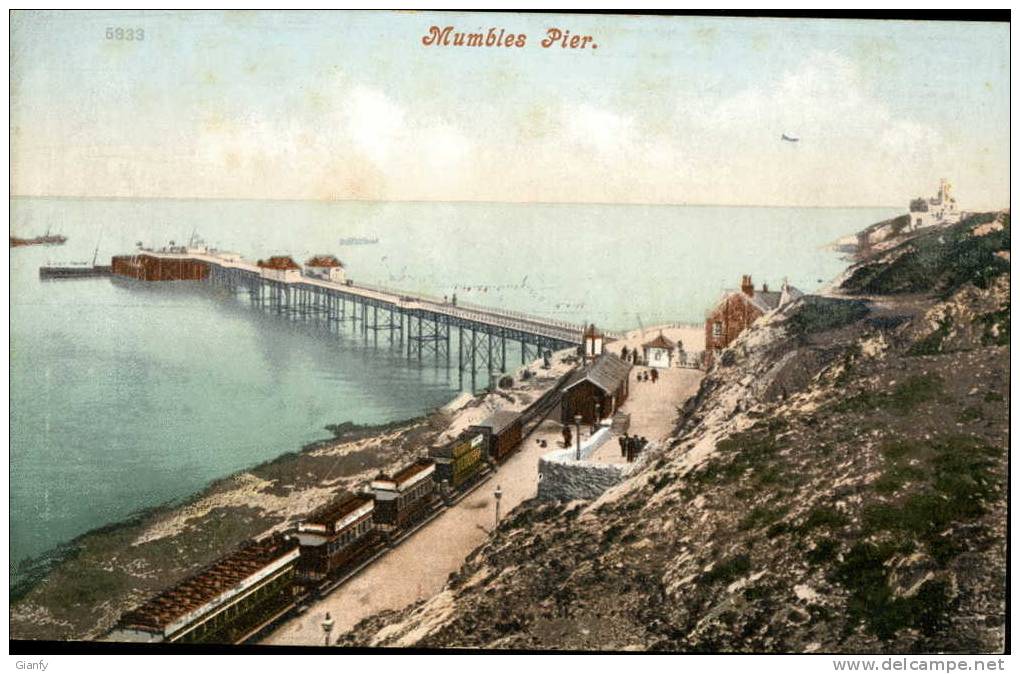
(353, 105)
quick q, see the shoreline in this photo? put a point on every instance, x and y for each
(33, 612)
(37, 567)
(80, 588)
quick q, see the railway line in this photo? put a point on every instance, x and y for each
(245, 596)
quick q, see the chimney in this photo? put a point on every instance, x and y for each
(746, 286)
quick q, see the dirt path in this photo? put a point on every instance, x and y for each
(652, 407)
(419, 567)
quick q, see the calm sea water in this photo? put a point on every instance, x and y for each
(125, 395)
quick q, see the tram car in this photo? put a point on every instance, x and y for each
(406, 497)
(460, 462)
(229, 601)
(502, 433)
(335, 535)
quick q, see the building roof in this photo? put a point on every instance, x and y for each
(766, 300)
(789, 294)
(498, 421)
(607, 372)
(339, 507)
(324, 261)
(279, 262)
(193, 593)
(659, 342)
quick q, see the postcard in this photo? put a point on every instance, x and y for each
(508, 331)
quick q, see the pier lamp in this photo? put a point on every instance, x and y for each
(598, 416)
(498, 494)
(327, 626)
(577, 422)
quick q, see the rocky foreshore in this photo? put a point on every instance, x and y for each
(80, 592)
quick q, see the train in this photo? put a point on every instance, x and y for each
(243, 595)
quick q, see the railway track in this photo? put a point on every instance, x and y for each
(531, 418)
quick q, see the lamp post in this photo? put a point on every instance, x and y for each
(498, 494)
(598, 416)
(327, 626)
(577, 422)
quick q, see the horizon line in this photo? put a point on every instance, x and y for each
(434, 201)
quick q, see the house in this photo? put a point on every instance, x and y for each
(938, 210)
(737, 310)
(280, 268)
(325, 267)
(658, 352)
(598, 389)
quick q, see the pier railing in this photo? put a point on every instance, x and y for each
(510, 319)
(518, 320)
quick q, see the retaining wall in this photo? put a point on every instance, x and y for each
(562, 478)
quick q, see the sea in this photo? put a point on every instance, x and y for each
(126, 395)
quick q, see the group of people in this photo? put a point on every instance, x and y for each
(630, 355)
(631, 446)
(648, 375)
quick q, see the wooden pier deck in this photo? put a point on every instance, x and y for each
(423, 323)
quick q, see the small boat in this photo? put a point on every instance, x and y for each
(75, 270)
(45, 240)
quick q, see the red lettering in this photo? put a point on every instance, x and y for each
(552, 35)
(437, 36)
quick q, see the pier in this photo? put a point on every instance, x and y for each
(422, 327)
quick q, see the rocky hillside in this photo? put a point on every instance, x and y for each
(837, 485)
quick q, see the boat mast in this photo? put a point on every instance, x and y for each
(95, 255)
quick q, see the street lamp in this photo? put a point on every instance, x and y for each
(577, 422)
(498, 495)
(598, 416)
(327, 626)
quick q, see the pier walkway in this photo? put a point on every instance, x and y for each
(426, 325)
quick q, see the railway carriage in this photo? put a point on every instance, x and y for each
(406, 497)
(335, 535)
(502, 432)
(226, 602)
(459, 462)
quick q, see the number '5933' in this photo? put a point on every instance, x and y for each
(131, 34)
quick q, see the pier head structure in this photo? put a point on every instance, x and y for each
(423, 328)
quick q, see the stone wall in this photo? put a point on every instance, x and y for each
(562, 478)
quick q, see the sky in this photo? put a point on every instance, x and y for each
(353, 105)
